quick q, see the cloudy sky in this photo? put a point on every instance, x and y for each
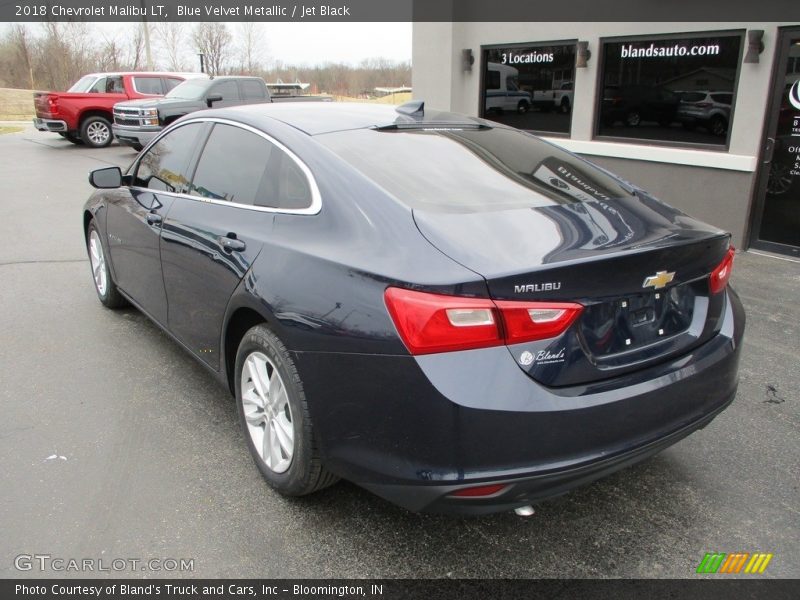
(300, 43)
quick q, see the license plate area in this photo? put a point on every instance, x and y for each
(632, 321)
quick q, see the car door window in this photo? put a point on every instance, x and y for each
(164, 167)
(252, 89)
(243, 167)
(148, 85)
(227, 89)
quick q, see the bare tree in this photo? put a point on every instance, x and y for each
(171, 36)
(21, 39)
(213, 40)
(250, 47)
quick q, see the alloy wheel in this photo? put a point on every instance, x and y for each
(98, 260)
(98, 133)
(267, 412)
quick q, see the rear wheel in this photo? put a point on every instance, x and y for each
(107, 290)
(96, 132)
(718, 125)
(564, 105)
(633, 118)
(274, 416)
(523, 107)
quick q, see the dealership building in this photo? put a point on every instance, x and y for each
(705, 116)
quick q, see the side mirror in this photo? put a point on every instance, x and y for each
(213, 98)
(106, 178)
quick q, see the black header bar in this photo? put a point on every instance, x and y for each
(333, 11)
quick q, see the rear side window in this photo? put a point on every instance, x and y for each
(227, 89)
(98, 87)
(243, 167)
(471, 170)
(148, 85)
(164, 166)
(252, 90)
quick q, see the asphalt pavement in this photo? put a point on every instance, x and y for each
(116, 444)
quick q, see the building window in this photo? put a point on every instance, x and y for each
(529, 86)
(669, 89)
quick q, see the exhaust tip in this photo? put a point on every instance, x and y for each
(524, 511)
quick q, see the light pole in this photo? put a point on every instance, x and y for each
(202, 62)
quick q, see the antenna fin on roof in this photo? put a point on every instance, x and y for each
(415, 108)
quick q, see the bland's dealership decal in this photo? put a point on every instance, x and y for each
(794, 95)
(653, 51)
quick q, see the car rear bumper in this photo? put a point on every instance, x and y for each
(415, 429)
(131, 136)
(50, 125)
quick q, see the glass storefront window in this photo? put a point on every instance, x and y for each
(676, 89)
(529, 86)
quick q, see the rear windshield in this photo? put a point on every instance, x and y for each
(471, 170)
(193, 89)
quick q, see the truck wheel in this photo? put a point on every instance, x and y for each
(96, 132)
(523, 107)
(565, 105)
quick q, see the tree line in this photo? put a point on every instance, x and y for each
(52, 56)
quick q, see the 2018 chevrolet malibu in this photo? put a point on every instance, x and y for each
(453, 314)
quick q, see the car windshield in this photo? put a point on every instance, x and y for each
(84, 84)
(471, 170)
(189, 90)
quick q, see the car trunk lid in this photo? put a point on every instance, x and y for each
(639, 268)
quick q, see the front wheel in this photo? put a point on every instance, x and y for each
(523, 107)
(274, 416)
(107, 290)
(96, 132)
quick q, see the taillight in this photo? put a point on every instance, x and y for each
(722, 273)
(429, 323)
(529, 321)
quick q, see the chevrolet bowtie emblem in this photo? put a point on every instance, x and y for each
(659, 280)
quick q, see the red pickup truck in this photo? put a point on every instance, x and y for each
(84, 113)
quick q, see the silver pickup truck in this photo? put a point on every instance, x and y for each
(136, 122)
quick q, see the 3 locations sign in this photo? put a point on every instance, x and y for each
(530, 86)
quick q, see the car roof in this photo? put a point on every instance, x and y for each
(316, 118)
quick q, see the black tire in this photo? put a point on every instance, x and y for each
(110, 295)
(96, 132)
(71, 137)
(565, 107)
(718, 125)
(523, 107)
(633, 118)
(305, 473)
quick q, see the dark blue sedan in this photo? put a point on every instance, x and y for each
(451, 313)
